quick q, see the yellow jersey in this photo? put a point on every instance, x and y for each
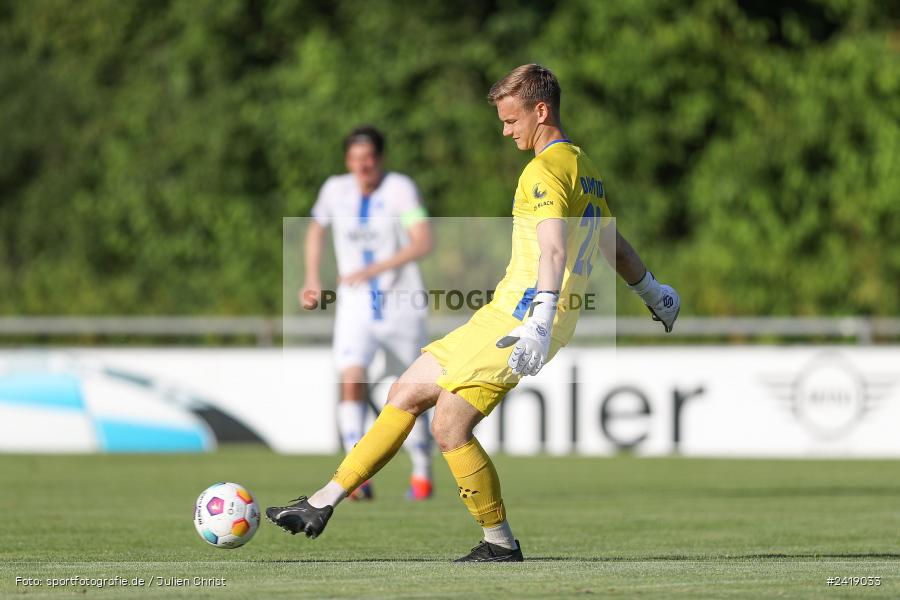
(559, 183)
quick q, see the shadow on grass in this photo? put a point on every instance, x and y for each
(608, 559)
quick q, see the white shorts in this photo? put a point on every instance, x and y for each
(358, 337)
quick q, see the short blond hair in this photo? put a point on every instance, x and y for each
(531, 84)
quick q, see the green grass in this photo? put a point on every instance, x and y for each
(622, 527)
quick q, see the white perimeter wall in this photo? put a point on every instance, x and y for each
(707, 401)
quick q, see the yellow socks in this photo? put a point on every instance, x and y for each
(479, 486)
(376, 448)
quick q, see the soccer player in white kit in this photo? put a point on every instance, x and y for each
(380, 229)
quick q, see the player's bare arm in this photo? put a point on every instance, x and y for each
(532, 339)
(551, 235)
(662, 300)
(621, 255)
(312, 258)
(420, 244)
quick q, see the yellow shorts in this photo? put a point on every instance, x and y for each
(472, 366)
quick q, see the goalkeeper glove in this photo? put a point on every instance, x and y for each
(662, 300)
(532, 338)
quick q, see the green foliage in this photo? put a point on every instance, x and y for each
(750, 149)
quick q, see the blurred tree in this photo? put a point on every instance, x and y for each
(750, 148)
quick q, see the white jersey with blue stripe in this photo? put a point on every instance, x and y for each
(370, 229)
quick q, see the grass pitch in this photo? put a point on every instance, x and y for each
(621, 527)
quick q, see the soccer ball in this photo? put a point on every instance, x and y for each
(226, 515)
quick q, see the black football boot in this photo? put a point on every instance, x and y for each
(300, 516)
(488, 552)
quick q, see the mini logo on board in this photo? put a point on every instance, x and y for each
(830, 396)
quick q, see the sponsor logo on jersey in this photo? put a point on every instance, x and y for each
(537, 192)
(542, 204)
(364, 235)
(591, 185)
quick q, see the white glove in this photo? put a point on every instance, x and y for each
(532, 338)
(662, 300)
(532, 347)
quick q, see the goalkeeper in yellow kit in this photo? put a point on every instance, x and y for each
(559, 216)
